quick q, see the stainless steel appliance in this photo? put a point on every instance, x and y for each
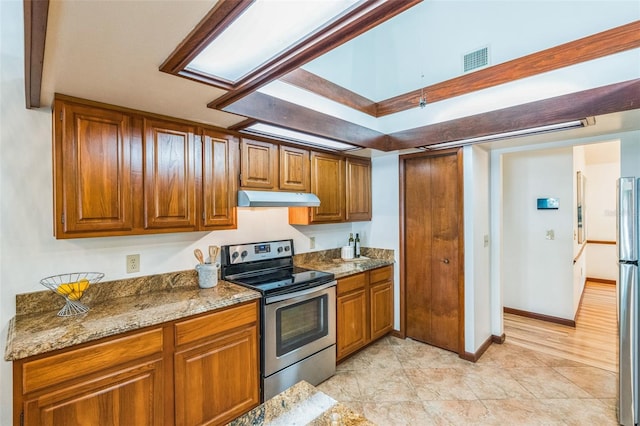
(298, 312)
(628, 238)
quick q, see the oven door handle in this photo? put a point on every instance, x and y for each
(286, 296)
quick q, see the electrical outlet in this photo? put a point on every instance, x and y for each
(312, 242)
(133, 263)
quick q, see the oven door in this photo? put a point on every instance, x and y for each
(298, 325)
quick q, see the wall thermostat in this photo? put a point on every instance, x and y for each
(548, 204)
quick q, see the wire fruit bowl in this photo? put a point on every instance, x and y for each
(72, 286)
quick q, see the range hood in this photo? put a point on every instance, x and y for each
(277, 199)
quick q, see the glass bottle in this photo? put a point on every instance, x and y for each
(357, 246)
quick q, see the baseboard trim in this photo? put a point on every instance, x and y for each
(601, 280)
(499, 339)
(398, 334)
(542, 317)
(475, 356)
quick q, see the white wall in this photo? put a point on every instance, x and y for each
(630, 154)
(477, 291)
(536, 271)
(601, 209)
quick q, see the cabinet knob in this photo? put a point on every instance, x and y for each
(445, 261)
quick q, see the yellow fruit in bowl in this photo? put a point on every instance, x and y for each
(73, 290)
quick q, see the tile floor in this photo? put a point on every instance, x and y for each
(404, 382)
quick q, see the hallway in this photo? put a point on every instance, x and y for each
(592, 342)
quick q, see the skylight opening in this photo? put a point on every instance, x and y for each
(263, 30)
(298, 137)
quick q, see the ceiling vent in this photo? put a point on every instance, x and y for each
(476, 59)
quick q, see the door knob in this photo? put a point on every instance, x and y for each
(445, 261)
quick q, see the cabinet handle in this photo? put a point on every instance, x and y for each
(445, 261)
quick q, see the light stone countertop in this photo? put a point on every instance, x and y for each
(330, 261)
(301, 404)
(142, 302)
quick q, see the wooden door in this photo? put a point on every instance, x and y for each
(294, 169)
(92, 171)
(327, 182)
(170, 169)
(217, 381)
(132, 396)
(259, 164)
(358, 189)
(432, 257)
(219, 180)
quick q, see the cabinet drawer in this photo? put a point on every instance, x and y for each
(216, 322)
(55, 369)
(351, 283)
(381, 274)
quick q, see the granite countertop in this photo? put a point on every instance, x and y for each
(330, 261)
(115, 307)
(301, 404)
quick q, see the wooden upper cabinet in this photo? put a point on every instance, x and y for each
(219, 180)
(327, 182)
(294, 169)
(92, 171)
(170, 194)
(259, 165)
(358, 189)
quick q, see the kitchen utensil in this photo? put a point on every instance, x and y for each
(213, 253)
(72, 286)
(199, 256)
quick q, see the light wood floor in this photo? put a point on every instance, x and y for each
(593, 341)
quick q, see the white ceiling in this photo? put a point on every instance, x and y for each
(110, 51)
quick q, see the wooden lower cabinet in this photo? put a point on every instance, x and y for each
(217, 376)
(352, 322)
(195, 371)
(364, 309)
(128, 396)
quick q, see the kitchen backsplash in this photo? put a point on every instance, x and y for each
(328, 255)
(44, 301)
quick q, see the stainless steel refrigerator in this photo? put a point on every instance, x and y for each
(628, 299)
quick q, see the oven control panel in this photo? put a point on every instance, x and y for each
(253, 252)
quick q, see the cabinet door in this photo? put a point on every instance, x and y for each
(132, 396)
(351, 315)
(218, 380)
(170, 168)
(358, 189)
(381, 299)
(294, 169)
(327, 182)
(259, 164)
(92, 171)
(219, 180)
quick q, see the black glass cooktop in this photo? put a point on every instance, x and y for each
(282, 280)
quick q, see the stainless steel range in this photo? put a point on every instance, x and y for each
(298, 327)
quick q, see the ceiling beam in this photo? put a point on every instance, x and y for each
(605, 43)
(36, 13)
(616, 97)
(270, 110)
(325, 88)
(362, 18)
